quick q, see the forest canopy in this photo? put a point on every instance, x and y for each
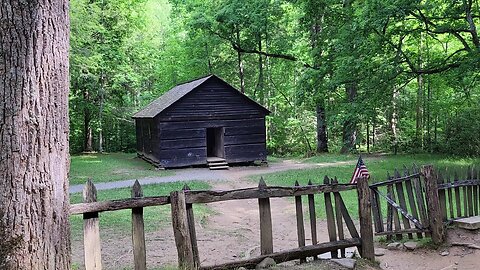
(338, 76)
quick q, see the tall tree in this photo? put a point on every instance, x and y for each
(34, 133)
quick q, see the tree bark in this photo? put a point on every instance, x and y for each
(34, 84)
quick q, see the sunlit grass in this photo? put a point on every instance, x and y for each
(110, 167)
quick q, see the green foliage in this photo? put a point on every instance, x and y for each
(463, 133)
(402, 69)
(110, 167)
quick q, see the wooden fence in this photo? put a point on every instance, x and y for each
(406, 208)
(459, 195)
(184, 225)
(418, 202)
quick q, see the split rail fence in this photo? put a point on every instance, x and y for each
(418, 202)
(183, 222)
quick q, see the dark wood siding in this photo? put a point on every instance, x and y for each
(213, 100)
(183, 143)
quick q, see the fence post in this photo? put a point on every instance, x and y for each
(138, 231)
(181, 230)
(266, 235)
(191, 227)
(365, 215)
(91, 231)
(300, 225)
(433, 205)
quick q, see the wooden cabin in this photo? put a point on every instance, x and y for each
(205, 121)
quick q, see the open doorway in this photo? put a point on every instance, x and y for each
(215, 142)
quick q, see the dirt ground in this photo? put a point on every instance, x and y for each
(233, 233)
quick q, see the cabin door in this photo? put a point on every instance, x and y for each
(215, 142)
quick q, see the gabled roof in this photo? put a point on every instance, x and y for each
(175, 94)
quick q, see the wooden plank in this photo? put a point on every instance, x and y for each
(181, 230)
(470, 194)
(91, 231)
(376, 218)
(402, 202)
(313, 217)
(338, 217)
(411, 198)
(365, 216)
(450, 197)
(395, 180)
(377, 211)
(266, 235)
(460, 183)
(457, 196)
(433, 205)
(412, 230)
(441, 197)
(475, 192)
(114, 205)
(208, 196)
(332, 234)
(300, 225)
(396, 219)
(288, 255)
(389, 213)
(418, 190)
(138, 231)
(346, 216)
(191, 227)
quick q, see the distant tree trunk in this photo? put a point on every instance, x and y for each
(241, 75)
(87, 124)
(260, 88)
(34, 164)
(368, 137)
(100, 112)
(419, 112)
(394, 120)
(322, 139)
(427, 107)
(350, 125)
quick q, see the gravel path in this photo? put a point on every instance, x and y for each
(204, 174)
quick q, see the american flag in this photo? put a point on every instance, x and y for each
(360, 171)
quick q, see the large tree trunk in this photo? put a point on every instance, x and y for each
(34, 42)
(349, 131)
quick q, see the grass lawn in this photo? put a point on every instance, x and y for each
(110, 167)
(377, 166)
(155, 217)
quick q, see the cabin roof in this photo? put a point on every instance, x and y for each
(176, 93)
